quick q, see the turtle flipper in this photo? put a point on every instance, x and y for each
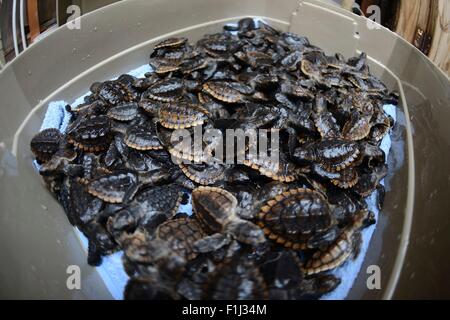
(246, 232)
(211, 243)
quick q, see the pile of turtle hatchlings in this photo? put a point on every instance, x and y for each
(257, 231)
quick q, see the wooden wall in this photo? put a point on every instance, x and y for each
(433, 18)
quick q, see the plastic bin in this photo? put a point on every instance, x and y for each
(411, 242)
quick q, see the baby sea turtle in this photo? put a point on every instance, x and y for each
(181, 233)
(231, 276)
(123, 112)
(45, 144)
(142, 137)
(115, 187)
(279, 169)
(215, 209)
(346, 244)
(171, 43)
(294, 216)
(358, 126)
(223, 91)
(149, 209)
(333, 155)
(112, 92)
(167, 90)
(182, 115)
(90, 133)
(203, 174)
(324, 120)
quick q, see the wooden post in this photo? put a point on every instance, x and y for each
(440, 49)
(33, 19)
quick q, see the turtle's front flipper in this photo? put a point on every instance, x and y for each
(211, 243)
(246, 232)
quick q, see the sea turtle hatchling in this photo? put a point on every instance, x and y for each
(293, 217)
(166, 90)
(333, 155)
(45, 144)
(181, 234)
(339, 251)
(90, 133)
(224, 91)
(180, 114)
(215, 209)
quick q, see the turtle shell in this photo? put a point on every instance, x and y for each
(292, 217)
(168, 90)
(219, 48)
(112, 92)
(142, 138)
(161, 198)
(162, 66)
(150, 106)
(181, 234)
(324, 120)
(348, 178)
(203, 174)
(358, 127)
(281, 170)
(333, 155)
(213, 207)
(255, 59)
(233, 275)
(296, 91)
(181, 115)
(310, 69)
(123, 112)
(113, 188)
(45, 144)
(340, 250)
(368, 182)
(171, 43)
(91, 133)
(223, 91)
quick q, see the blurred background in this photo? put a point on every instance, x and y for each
(424, 23)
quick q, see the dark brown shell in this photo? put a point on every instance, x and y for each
(123, 112)
(344, 246)
(150, 106)
(255, 59)
(171, 43)
(333, 155)
(181, 115)
(112, 92)
(168, 90)
(164, 199)
(45, 144)
(348, 178)
(358, 127)
(181, 234)
(91, 134)
(113, 188)
(281, 170)
(223, 91)
(295, 215)
(233, 275)
(142, 138)
(204, 174)
(213, 207)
